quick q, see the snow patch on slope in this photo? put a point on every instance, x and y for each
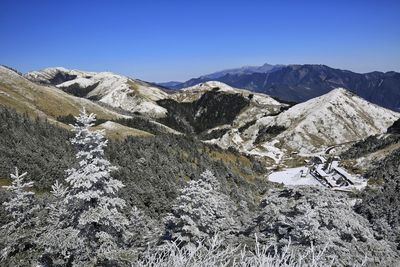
(293, 177)
(81, 82)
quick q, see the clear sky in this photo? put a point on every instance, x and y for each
(178, 40)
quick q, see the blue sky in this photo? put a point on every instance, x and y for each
(178, 40)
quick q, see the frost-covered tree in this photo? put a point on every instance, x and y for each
(18, 235)
(89, 218)
(200, 212)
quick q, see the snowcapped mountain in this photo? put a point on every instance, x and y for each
(334, 118)
(112, 89)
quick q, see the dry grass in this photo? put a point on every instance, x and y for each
(5, 182)
(118, 131)
(44, 101)
(293, 162)
(229, 157)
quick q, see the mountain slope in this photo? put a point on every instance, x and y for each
(335, 118)
(299, 83)
(36, 100)
(115, 90)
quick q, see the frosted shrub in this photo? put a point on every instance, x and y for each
(216, 253)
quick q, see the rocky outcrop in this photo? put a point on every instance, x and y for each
(395, 128)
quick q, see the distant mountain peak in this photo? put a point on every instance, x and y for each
(242, 70)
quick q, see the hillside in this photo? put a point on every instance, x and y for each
(378, 158)
(27, 97)
(117, 131)
(153, 169)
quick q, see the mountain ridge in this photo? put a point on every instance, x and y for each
(106, 87)
(299, 83)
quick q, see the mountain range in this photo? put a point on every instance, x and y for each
(299, 83)
(253, 123)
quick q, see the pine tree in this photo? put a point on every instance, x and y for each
(200, 212)
(90, 215)
(18, 234)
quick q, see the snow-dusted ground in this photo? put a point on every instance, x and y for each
(293, 177)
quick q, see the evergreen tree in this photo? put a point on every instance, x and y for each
(89, 218)
(18, 235)
(200, 212)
